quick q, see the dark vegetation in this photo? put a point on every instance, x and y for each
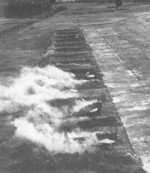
(26, 8)
(147, 1)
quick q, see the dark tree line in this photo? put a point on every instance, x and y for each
(26, 8)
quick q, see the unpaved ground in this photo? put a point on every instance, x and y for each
(120, 43)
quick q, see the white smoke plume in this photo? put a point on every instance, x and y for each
(35, 92)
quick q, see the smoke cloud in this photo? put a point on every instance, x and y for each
(41, 96)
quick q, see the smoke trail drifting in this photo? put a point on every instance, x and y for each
(35, 92)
